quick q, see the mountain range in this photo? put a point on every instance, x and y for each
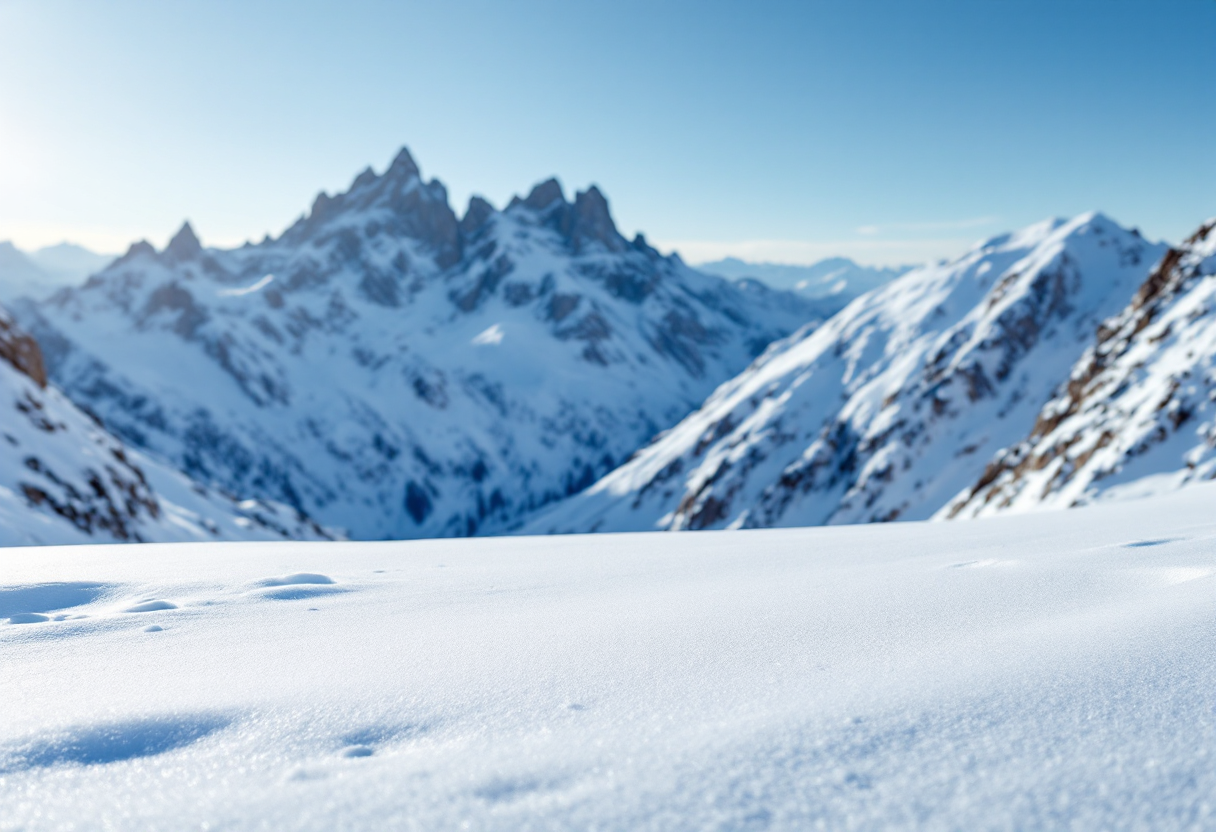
(891, 408)
(37, 274)
(835, 277)
(388, 368)
(395, 370)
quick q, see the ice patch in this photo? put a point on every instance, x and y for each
(492, 336)
(236, 293)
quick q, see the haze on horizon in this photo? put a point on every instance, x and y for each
(887, 132)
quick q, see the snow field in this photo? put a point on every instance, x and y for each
(1040, 671)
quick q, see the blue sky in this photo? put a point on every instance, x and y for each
(887, 131)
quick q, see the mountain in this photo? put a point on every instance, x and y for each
(837, 277)
(890, 408)
(1136, 414)
(63, 479)
(398, 371)
(39, 273)
(69, 263)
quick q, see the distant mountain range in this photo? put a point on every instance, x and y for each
(396, 370)
(387, 368)
(835, 277)
(39, 273)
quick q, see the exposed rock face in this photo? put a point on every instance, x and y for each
(891, 407)
(63, 479)
(20, 350)
(1136, 413)
(397, 372)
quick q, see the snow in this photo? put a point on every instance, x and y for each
(406, 373)
(1050, 670)
(1137, 415)
(891, 407)
(64, 479)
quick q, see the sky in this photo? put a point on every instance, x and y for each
(890, 132)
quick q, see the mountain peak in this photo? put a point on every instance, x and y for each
(476, 215)
(184, 245)
(593, 221)
(544, 195)
(403, 165)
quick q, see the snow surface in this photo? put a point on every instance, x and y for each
(1042, 671)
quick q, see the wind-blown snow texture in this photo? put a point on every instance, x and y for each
(1048, 671)
(63, 479)
(398, 372)
(894, 405)
(1136, 415)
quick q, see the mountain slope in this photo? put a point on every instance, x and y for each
(65, 480)
(890, 408)
(1136, 414)
(39, 273)
(836, 277)
(397, 371)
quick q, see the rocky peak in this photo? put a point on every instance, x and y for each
(184, 245)
(542, 196)
(476, 215)
(593, 222)
(403, 166)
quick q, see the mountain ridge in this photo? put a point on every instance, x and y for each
(398, 371)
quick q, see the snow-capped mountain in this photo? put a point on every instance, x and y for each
(837, 278)
(1136, 414)
(39, 273)
(63, 479)
(890, 408)
(398, 371)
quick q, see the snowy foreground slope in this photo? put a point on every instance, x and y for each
(63, 479)
(1136, 414)
(397, 371)
(1042, 671)
(893, 406)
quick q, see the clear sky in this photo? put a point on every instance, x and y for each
(887, 131)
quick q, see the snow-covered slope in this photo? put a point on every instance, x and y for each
(838, 278)
(1137, 412)
(893, 406)
(398, 372)
(39, 273)
(65, 480)
(1049, 671)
